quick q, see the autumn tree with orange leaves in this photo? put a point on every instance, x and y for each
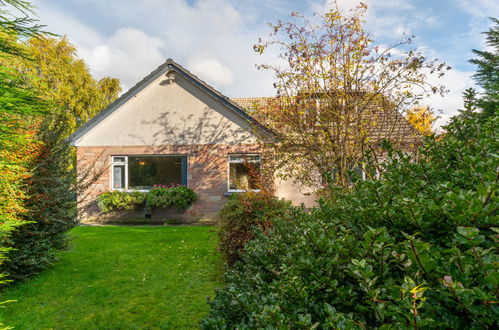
(339, 94)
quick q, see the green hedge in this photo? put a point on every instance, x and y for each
(239, 217)
(159, 197)
(415, 249)
(179, 197)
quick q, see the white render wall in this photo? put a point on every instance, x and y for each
(166, 113)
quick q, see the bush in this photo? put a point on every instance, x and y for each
(119, 200)
(415, 249)
(240, 215)
(179, 197)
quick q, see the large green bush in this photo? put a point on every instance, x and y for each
(239, 217)
(415, 249)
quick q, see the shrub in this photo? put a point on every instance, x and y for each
(179, 197)
(240, 215)
(119, 200)
(415, 249)
(50, 208)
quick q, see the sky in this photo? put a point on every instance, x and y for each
(214, 39)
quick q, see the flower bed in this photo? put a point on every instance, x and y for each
(177, 197)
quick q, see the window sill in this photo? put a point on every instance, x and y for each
(232, 192)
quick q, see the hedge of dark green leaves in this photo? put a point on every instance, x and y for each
(179, 197)
(239, 217)
(415, 249)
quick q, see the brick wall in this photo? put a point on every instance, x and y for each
(207, 172)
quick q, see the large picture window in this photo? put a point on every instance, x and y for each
(143, 172)
(244, 172)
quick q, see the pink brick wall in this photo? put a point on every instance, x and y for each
(207, 172)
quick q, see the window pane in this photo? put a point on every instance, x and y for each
(244, 176)
(146, 171)
(119, 176)
(120, 159)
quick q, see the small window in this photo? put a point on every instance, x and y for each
(244, 172)
(119, 173)
(144, 172)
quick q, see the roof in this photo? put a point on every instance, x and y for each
(250, 103)
(387, 124)
(169, 65)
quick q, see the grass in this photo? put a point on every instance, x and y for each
(120, 277)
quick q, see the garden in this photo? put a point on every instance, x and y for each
(121, 277)
(404, 234)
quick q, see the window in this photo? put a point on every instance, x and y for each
(244, 172)
(143, 172)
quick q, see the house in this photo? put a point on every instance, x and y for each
(173, 128)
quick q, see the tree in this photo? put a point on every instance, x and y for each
(338, 95)
(58, 75)
(18, 104)
(46, 93)
(422, 118)
(487, 75)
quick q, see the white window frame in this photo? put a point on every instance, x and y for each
(113, 163)
(230, 161)
(116, 163)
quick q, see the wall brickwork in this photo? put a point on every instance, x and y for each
(207, 173)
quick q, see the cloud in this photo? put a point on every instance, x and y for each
(210, 69)
(479, 8)
(128, 54)
(446, 106)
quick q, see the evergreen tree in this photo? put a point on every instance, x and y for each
(487, 74)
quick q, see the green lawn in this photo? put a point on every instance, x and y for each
(121, 278)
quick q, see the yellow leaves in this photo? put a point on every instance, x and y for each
(422, 118)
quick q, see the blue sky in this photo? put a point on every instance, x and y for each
(127, 39)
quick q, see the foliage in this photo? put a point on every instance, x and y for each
(120, 200)
(17, 106)
(57, 74)
(422, 118)
(51, 206)
(44, 76)
(414, 249)
(240, 215)
(179, 197)
(11, 25)
(487, 75)
(338, 94)
(153, 277)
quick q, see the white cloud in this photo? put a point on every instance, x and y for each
(447, 106)
(480, 8)
(210, 69)
(128, 54)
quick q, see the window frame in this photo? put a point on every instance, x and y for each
(183, 168)
(116, 163)
(259, 161)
